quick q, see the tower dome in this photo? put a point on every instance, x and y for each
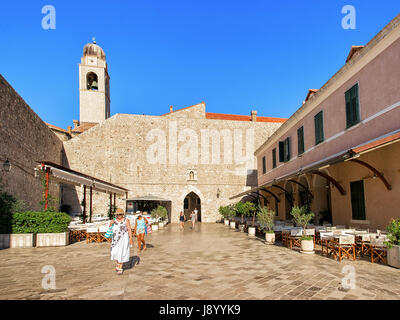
(92, 49)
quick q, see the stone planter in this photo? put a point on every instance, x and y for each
(52, 239)
(393, 256)
(154, 227)
(241, 227)
(161, 225)
(226, 221)
(23, 240)
(270, 238)
(307, 246)
(233, 225)
(252, 231)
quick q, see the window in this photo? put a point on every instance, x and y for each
(274, 158)
(264, 165)
(300, 140)
(319, 127)
(284, 150)
(357, 200)
(352, 107)
(91, 81)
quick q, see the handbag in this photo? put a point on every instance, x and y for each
(109, 232)
(148, 229)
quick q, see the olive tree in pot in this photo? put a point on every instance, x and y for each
(266, 217)
(302, 217)
(224, 212)
(250, 211)
(393, 244)
(241, 211)
(161, 213)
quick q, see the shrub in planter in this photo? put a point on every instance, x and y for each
(266, 217)
(40, 222)
(393, 243)
(9, 205)
(159, 213)
(302, 217)
(225, 212)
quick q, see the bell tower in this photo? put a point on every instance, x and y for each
(94, 85)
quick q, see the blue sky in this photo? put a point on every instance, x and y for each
(236, 56)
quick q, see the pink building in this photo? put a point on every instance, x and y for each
(339, 152)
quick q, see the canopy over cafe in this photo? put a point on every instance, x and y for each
(58, 173)
(147, 203)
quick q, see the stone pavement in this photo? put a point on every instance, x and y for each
(212, 262)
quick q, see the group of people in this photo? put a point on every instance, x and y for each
(122, 236)
(193, 218)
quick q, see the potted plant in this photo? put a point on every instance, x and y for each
(266, 217)
(240, 211)
(302, 217)
(159, 213)
(224, 211)
(154, 226)
(249, 209)
(393, 244)
(232, 215)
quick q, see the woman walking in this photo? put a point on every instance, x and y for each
(193, 217)
(182, 221)
(140, 230)
(121, 239)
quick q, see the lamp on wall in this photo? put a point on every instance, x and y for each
(6, 166)
(218, 193)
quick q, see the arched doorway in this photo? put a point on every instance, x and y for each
(288, 200)
(322, 199)
(191, 202)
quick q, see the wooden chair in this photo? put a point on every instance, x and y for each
(294, 237)
(285, 237)
(278, 232)
(378, 250)
(91, 234)
(324, 238)
(342, 246)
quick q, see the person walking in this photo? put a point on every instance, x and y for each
(140, 230)
(193, 217)
(182, 221)
(121, 240)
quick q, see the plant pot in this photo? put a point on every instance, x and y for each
(233, 225)
(270, 237)
(226, 221)
(161, 225)
(252, 231)
(23, 240)
(52, 239)
(307, 246)
(393, 256)
(241, 227)
(154, 227)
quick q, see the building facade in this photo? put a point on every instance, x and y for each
(338, 153)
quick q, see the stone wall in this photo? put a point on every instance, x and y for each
(118, 150)
(24, 139)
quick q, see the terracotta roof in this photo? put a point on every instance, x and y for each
(84, 126)
(353, 50)
(56, 128)
(235, 117)
(379, 142)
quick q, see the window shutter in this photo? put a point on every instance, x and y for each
(352, 106)
(319, 127)
(287, 153)
(264, 164)
(300, 140)
(274, 158)
(348, 108)
(281, 151)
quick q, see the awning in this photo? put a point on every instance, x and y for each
(149, 197)
(69, 176)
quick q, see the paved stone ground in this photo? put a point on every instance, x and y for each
(212, 262)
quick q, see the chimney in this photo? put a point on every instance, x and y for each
(76, 123)
(69, 129)
(253, 115)
(171, 108)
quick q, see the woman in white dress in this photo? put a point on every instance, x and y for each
(121, 239)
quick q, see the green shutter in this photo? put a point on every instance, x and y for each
(274, 158)
(264, 165)
(287, 149)
(319, 127)
(300, 140)
(357, 200)
(352, 106)
(281, 151)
